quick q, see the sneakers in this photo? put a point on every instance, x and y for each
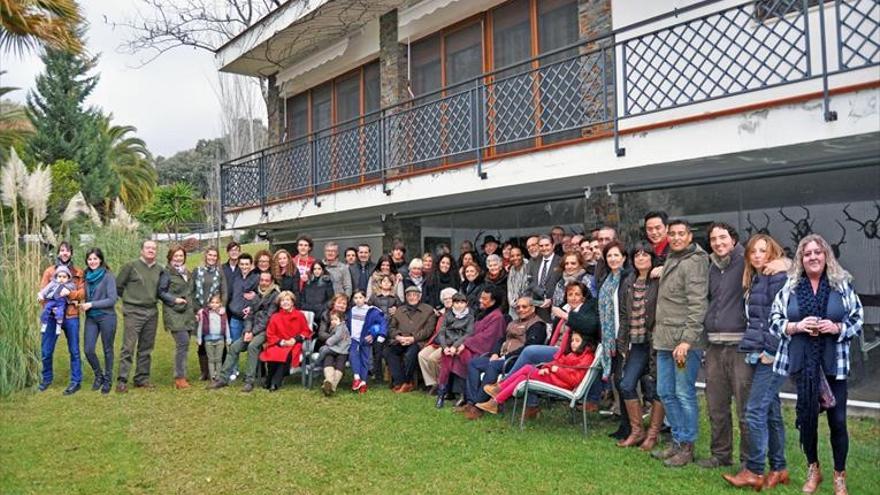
(248, 387)
(356, 384)
(363, 388)
(233, 376)
(218, 384)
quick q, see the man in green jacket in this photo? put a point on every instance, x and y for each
(138, 287)
(682, 299)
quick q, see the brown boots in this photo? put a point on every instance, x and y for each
(637, 433)
(840, 483)
(746, 478)
(683, 457)
(814, 478)
(774, 478)
(657, 415)
(181, 383)
(204, 373)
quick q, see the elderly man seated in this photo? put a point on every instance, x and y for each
(527, 329)
(409, 331)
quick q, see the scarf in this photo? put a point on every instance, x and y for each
(516, 334)
(608, 320)
(181, 270)
(268, 290)
(201, 273)
(417, 281)
(807, 407)
(93, 278)
(445, 279)
(69, 263)
(459, 315)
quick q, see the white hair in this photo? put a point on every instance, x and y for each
(416, 263)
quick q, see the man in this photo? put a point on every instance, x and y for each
(678, 339)
(575, 243)
(230, 268)
(69, 325)
(304, 260)
(351, 255)
(339, 272)
(586, 251)
(409, 330)
(544, 273)
(251, 341)
(138, 286)
(655, 232)
(244, 287)
(362, 269)
(557, 234)
(527, 329)
(398, 257)
(728, 376)
(466, 246)
(490, 247)
(532, 247)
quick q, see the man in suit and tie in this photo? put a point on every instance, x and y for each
(544, 273)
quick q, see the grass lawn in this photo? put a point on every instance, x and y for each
(297, 441)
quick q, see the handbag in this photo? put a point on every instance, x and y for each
(826, 397)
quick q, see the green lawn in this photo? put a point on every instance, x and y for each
(297, 441)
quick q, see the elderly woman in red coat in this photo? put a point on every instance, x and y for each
(488, 330)
(285, 334)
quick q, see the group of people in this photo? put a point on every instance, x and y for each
(473, 327)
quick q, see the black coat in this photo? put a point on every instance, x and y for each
(315, 295)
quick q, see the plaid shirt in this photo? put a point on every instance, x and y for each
(852, 326)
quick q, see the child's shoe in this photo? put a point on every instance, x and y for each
(363, 388)
(327, 388)
(356, 384)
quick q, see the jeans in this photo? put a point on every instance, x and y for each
(635, 368)
(253, 349)
(836, 425)
(236, 328)
(70, 327)
(534, 355)
(764, 420)
(105, 326)
(481, 371)
(678, 392)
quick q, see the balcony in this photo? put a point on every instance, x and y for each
(629, 79)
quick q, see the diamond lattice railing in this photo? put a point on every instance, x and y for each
(858, 33)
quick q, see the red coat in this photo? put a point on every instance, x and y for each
(567, 377)
(285, 325)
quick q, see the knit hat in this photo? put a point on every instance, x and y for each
(62, 269)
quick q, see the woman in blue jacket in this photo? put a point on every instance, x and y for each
(763, 408)
(100, 317)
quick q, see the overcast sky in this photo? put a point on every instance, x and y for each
(172, 101)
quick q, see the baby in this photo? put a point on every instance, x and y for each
(56, 304)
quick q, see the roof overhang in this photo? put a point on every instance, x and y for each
(296, 29)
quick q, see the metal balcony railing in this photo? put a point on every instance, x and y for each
(569, 94)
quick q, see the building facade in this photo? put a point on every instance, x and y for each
(444, 120)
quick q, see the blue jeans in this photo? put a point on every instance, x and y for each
(70, 327)
(634, 370)
(103, 326)
(678, 392)
(481, 371)
(534, 355)
(764, 420)
(236, 326)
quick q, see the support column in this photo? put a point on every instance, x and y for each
(274, 112)
(408, 230)
(594, 19)
(392, 62)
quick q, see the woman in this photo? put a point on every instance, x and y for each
(496, 276)
(208, 280)
(466, 258)
(816, 315)
(285, 334)
(572, 271)
(472, 286)
(100, 317)
(178, 309)
(427, 264)
(609, 303)
(505, 254)
(489, 326)
(637, 309)
(263, 261)
(517, 277)
(416, 277)
(318, 290)
(338, 303)
(763, 408)
(444, 276)
(285, 273)
(385, 266)
(69, 326)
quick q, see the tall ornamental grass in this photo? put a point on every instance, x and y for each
(24, 196)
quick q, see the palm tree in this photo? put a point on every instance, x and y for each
(14, 124)
(28, 24)
(132, 163)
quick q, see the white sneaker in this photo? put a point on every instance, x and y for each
(233, 376)
(43, 328)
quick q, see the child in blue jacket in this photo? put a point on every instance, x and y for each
(367, 325)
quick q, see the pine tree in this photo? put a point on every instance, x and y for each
(65, 129)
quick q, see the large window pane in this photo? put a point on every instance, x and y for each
(345, 156)
(464, 62)
(561, 91)
(321, 120)
(297, 116)
(348, 97)
(425, 70)
(512, 95)
(418, 129)
(464, 54)
(371, 122)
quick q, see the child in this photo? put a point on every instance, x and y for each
(565, 371)
(367, 325)
(212, 331)
(457, 325)
(334, 353)
(386, 300)
(56, 304)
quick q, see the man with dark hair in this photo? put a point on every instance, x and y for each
(655, 232)
(230, 268)
(678, 339)
(304, 260)
(556, 234)
(544, 273)
(351, 255)
(362, 269)
(138, 287)
(398, 257)
(244, 292)
(465, 246)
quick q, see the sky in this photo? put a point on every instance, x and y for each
(172, 101)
